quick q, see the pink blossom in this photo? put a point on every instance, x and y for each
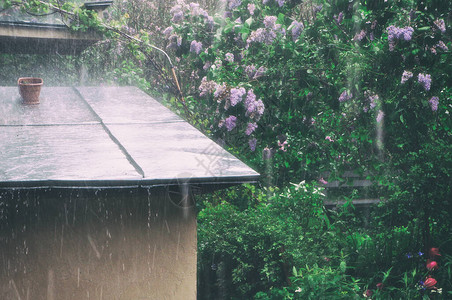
(323, 181)
(430, 283)
(328, 138)
(431, 265)
(282, 145)
(251, 8)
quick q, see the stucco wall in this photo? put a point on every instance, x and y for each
(109, 244)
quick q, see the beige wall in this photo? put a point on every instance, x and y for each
(110, 245)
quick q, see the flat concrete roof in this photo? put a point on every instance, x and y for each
(106, 136)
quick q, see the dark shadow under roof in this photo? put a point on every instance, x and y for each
(106, 136)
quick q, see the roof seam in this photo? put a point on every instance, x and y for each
(112, 137)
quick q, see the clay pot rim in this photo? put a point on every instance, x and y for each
(40, 81)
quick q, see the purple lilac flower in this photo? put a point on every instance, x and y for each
(229, 57)
(257, 36)
(391, 45)
(318, 8)
(218, 63)
(175, 41)
(250, 71)
(260, 107)
(252, 143)
(207, 66)
(230, 122)
(168, 30)
(359, 36)
(400, 33)
(339, 18)
(219, 90)
(261, 36)
(345, 96)
(176, 8)
(434, 101)
(373, 100)
(441, 25)
(237, 95)
(210, 22)
(250, 128)
(251, 8)
(270, 22)
(380, 116)
(280, 2)
(433, 50)
(250, 97)
(254, 109)
(405, 76)
(374, 24)
(407, 33)
(197, 11)
(233, 4)
(206, 86)
(250, 108)
(265, 1)
(195, 47)
(425, 80)
(442, 46)
(178, 14)
(194, 7)
(297, 28)
(260, 72)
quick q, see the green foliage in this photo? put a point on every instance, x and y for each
(291, 228)
(323, 283)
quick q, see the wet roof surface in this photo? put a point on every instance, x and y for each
(109, 136)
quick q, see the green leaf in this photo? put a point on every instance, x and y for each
(249, 21)
(343, 266)
(425, 28)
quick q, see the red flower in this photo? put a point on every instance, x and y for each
(430, 282)
(369, 293)
(434, 252)
(380, 285)
(431, 265)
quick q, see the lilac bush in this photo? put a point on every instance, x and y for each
(315, 89)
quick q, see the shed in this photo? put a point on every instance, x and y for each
(29, 33)
(97, 190)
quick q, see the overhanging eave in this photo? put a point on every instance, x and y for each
(38, 38)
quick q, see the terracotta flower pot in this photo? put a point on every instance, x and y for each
(29, 89)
